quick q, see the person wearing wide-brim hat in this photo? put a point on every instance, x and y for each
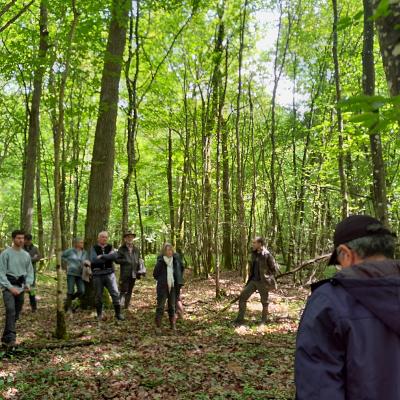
(128, 258)
(348, 342)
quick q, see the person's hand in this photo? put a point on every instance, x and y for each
(99, 256)
(87, 263)
(14, 291)
(27, 288)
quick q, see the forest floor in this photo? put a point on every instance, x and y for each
(206, 358)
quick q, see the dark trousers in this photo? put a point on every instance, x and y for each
(13, 305)
(249, 289)
(162, 298)
(32, 291)
(109, 282)
(126, 285)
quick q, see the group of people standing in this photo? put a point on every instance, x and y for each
(99, 266)
(18, 275)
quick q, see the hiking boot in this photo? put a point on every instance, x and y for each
(264, 316)
(158, 325)
(9, 345)
(68, 303)
(238, 322)
(172, 323)
(118, 314)
(33, 302)
(99, 313)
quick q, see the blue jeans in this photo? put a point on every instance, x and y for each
(73, 280)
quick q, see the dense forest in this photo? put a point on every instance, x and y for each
(198, 122)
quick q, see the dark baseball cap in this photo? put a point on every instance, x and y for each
(355, 227)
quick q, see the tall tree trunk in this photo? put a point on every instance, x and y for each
(241, 217)
(389, 40)
(378, 165)
(34, 125)
(278, 69)
(252, 219)
(170, 189)
(186, 170)
(39, 205)
(341, 156)
(102, 170)
(226, 191)
(219, 99)
(131, 84)
(61, 329)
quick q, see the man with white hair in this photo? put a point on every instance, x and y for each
(102, 257)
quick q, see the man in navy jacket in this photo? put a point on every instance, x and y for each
(348, 342)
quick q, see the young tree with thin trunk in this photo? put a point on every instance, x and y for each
(34, 125)
(61, 329)
(341, 156)
(241, 213)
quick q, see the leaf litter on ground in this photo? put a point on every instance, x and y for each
(207, 358)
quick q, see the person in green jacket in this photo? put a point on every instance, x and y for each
(75, 258)
(16, 277)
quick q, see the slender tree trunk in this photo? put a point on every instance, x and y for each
(170, 189)
(241, 221)
(34, 125)
(61, 329)
(226, 191)
(211, 117)
(252, 219)
(131, 84)
(186, 170)
(102, 170)
(341, 156)
(279, 63)
(378, 165)
(220, 100)
(39, 205)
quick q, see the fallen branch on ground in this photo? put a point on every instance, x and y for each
(304, 264)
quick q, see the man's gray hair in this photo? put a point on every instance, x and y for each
(374, 245)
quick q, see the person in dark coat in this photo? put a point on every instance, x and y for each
(128, 258)
(348, 342)
(168, 273)
(102, 259)
(263, 269)
(35, 257)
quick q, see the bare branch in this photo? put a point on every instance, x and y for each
(13, 19)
